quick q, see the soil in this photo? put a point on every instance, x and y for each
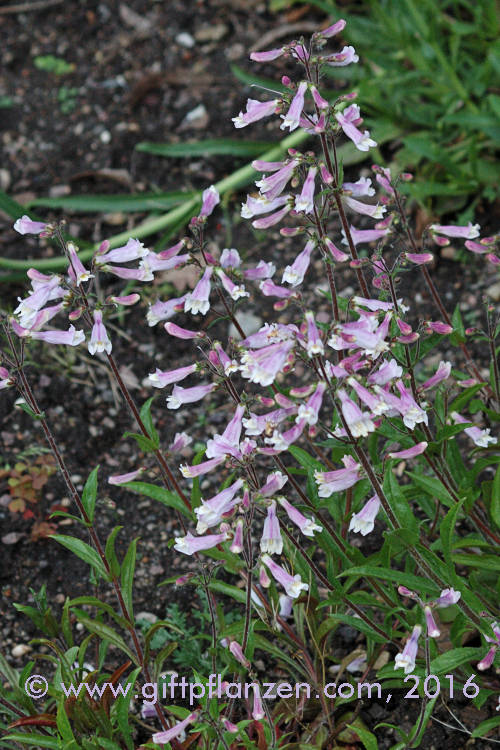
(139, 69)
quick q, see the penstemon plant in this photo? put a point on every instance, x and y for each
(352, 485)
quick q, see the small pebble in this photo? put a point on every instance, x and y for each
(185, 40)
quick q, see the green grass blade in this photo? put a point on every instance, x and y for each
(210, 147)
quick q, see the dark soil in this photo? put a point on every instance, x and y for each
(136, 78)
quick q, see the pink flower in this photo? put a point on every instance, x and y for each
(447, 598)
(345, 57)
(190, 544)
(154, 262)
(305, 201)
(360, 188)
(237, 543)
(159, 378)
(337, 254)
(310, 410)
(270, 289)
(238, 654)
(197, 470)
(133, 250)
(340, 479)
(487, 660)
(137, 274)
(281, 441)
(364, 521)
(99, 340)
(181, 441)
(376, 212)
(271, 541)
(406, 660)
(230, 258)
(314, 345)
(271, 220)
(274, 483)
(255, 111)
(469, 232)
(346, 120)
(262, 270)
(419, 258)
(44, 290)
(306, 525)
(358, 422)
(127, 300)
(263, 365)
(292, 117)
(374, 403)
(270, 54)
(161, 738)
(210, 198)
(71, 337)
(321, 103)
(227, 444)
(432, 628)
(261, 205)
(293, 585)
(273, 185)
(5, 379)
(294, 274)
(183, 333)
(335, 28)
(210, 512)
(416, 450)
(25, 225)
(360, 236)
(181, 396)
(480, 437)
(197, 301)
(235, 291)
(439, 327)
(385, 373)
(442, 372)
(258, 712)
(411, 412)
(77, 271)
(124, 478)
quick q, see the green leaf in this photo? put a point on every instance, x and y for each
(495, 499)
(84, 552)
(145, 444)
(485, 727)
(33, 739)
(483, 562)
(147, 420)
(367, 738)
(359, 624)
(113, 203)
(127, 575)
(432, 487)
(51, 64)
(164, 496)
(89, 494)
(228, 590)
(399, 504)
(416, 583)
(110, 553)
(464, 398)
(446, 533)
(454, 658)
(209, 147)
(305, 459)
(107, 634)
